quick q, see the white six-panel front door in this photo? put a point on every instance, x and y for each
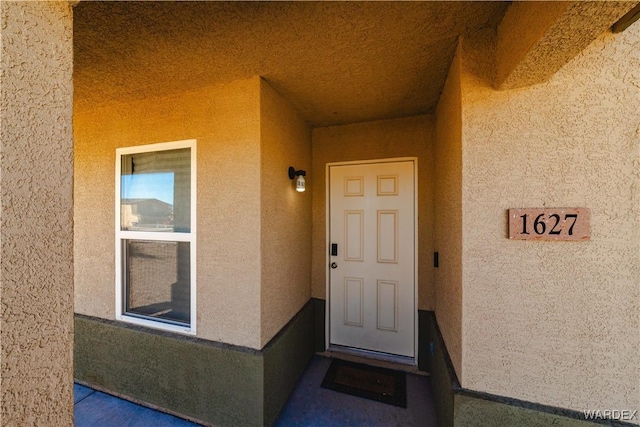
(372, 277)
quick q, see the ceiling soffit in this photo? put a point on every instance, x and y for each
(336, 63)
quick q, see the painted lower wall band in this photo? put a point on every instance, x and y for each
(213, 383)
(222, 384)
(457, 406)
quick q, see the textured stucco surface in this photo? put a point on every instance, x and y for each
(336, 62)
(439, 370)
(408, 137)
(285, 232)
(473, 412)
(555, 322)
(285, 359)
(215, 384)
(448, 214)
(211, 382)
(36, 250)
(523, 26)
(535, 39)
(225, 121)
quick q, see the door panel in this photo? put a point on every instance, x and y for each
(372, 287)
(354, 235)
(353, 295)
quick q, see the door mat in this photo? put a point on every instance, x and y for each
(379, 384)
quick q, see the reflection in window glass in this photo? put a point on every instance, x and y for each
(155, 191)
(157, 277)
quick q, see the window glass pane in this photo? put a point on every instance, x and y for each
(157, 277)
(155, 191)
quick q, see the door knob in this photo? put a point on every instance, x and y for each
(334, 265)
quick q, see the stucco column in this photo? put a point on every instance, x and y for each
(36, 213)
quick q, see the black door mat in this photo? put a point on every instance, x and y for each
(379, 384)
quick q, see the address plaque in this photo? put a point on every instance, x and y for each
(572, 224)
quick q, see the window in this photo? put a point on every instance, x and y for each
(155, 235)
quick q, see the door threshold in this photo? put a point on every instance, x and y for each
(373, 358)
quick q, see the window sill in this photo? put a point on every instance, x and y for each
(155, 324)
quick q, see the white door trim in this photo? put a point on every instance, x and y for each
(327, 176)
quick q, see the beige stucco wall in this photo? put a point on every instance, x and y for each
(36, 232)
(524, 26)
(225, 121)
(407, 137)
(536, 38)
(448, 214)
(285, 140)
(555, 322)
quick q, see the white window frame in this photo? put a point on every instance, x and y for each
(156, 236)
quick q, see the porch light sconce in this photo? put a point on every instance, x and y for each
(300, 184)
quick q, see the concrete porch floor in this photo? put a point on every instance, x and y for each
(309, 405)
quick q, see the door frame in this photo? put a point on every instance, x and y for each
(327, 325)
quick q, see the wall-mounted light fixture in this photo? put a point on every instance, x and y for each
(300, 184)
